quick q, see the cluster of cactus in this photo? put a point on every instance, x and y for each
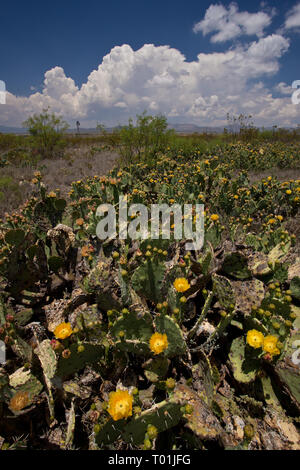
(151, 318)
(26, 260)
(160, 417)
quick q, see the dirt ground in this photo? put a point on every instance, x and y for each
(78, 163)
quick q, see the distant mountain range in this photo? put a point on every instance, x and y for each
(180, 128)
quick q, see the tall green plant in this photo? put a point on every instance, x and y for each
(47, 130)
(149, 136)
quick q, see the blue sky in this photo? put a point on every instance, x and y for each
(51, 53)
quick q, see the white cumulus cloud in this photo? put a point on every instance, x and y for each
(160, 79)
(229, 23)
(293, 18)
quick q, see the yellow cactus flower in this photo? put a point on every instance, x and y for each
(120, 404)
(181, 284)
(158, 343)
(270, 345)
(255, 338)
(62, 331)
(214, 217)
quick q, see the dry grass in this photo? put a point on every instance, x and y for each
(285, 174)
(79, 162)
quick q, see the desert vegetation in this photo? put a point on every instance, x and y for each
(139, 344)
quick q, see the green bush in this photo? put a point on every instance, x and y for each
(47, 132)
(150, 136)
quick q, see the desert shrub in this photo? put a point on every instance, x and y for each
(148, 137)
(47, 131)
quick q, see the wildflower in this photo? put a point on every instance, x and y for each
(270, 345)
(63, 331)
(288, 191)
(181, 284)
(255, 338)
(120, 404)
(158, 343)
(214, 217)
(52, 194)
(80, 221)
(19, 401)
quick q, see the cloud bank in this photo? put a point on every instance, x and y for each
(160, 79)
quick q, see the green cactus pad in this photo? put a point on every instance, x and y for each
(244, 368)
(176, 343)
(110, 432)
(22, 349)
(164, 415)
(248, 294)
(15, 237)
(136, 327)
(201, 421)
(235, 265)
(24, 316)
(147, 280)
(295, 287)
(24, 381)
(224, 291)
(290, 377)
(55, 263)
(278, 252)
(77, 361)
(258, 264)
(47, 358)
(156, 368)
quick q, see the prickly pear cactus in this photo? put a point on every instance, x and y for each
(156, 368)
(244, 367)
(147, 280)
(236, 265)
(176, 343)
(224, 291)
(91, 354)
(295, 287)
(23, 381)
(132, 332)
